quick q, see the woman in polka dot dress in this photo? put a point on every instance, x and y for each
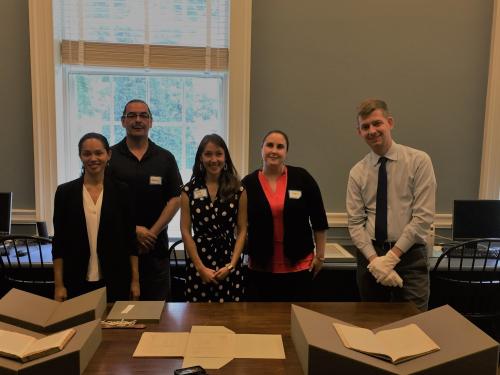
(214, 205)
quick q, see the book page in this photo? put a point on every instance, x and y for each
(162, 344)
(360, 339)
(217, 345)
(259, 346)
(335, 251)
(406, 342)
(14, 343)
(55, 342)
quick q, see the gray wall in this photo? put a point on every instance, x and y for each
(16, 132)
(314, 61)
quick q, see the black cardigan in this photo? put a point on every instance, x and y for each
(115, 238)
(299, 215)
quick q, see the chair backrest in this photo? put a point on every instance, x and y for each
(481, 255)
(41, 229)
(177, 272)
(467, 277)
(26, 263)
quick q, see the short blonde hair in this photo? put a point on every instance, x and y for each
(366, 107)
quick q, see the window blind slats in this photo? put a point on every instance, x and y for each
(132, 56)
(170, 34)
(169, 22)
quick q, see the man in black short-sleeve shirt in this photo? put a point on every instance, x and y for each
(154, 179)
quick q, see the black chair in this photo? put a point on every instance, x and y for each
(467, 277)
(27, 264)
(177, 273)
(41, 229)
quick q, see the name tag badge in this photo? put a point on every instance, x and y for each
(155, 180)
(294, 194)
(200, 193)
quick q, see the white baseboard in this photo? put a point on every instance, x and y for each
(21, 216)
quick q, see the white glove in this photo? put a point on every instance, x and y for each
(393, 280)
(380, 267)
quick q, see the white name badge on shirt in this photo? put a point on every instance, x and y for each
(200, 193)
(294, 194)
(155, 180)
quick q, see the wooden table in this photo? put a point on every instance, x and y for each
(114, 356)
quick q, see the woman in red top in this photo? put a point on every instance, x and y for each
(286, 222)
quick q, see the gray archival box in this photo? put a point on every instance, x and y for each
(45, 315)
(142, 311)
(465, 349)
(37, 316)
(72, 360)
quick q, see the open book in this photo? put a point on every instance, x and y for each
(394, 345)
(25, 348)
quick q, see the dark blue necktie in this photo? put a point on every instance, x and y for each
(381, 209)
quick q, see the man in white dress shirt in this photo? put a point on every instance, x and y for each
(390, 206)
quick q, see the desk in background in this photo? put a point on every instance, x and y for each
(114, 356)
(337, 256)
(335, 283)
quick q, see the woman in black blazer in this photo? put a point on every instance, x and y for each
(286, 226)
(94, 231)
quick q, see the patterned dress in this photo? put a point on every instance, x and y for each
(214, 225)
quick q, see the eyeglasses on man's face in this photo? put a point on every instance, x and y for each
(133, 115)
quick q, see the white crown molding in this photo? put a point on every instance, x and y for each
(339, 220)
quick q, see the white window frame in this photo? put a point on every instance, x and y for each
(66, 169)
(47, 122)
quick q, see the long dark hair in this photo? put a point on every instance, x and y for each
(229, 183)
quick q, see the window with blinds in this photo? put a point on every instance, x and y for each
(171, 53)
(171, 34)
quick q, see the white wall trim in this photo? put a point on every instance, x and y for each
(239, 83)
(20, 216)
(339, 220)
(335, 220)
(489, 184)
(43, 106)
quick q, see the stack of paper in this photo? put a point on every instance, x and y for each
(209, 346)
